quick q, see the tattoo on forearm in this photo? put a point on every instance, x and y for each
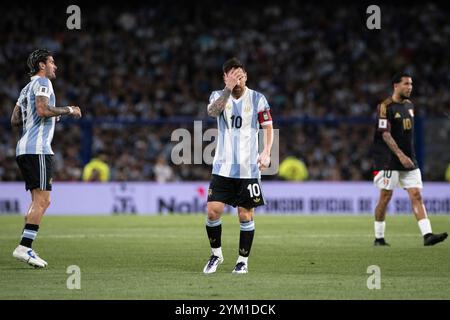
(387, 137)
(60, 111)
(16, 118)
(216, 108)
(49, 111)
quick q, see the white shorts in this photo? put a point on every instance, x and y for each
(390, 179)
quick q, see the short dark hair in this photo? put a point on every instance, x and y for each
(39, 55)
(232, 63)
(397, 78)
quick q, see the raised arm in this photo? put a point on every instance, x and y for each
(216, 108)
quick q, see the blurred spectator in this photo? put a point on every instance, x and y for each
(97, 169)
(447, 173)
(163, 172)
(293, 169)
(157, 63)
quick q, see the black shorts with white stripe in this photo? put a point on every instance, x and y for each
(37, 170)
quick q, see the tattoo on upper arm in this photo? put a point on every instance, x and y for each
(216, 108)
(42, 101)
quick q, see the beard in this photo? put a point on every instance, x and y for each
(51, 76)
(237, 91)
(405, 96)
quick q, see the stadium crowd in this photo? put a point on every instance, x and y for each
(132, 68)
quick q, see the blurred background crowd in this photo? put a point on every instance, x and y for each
(140, 71)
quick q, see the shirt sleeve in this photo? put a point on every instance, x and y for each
(383, 118)
(264, 116)
(263, 105)
(21, 97)
(213, 97)
(42, 88)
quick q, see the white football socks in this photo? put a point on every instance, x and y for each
(425, 226)
(217, 252)
(380, 226)
(242, 259)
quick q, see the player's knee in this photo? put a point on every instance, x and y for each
(385, 197)
(43, 203)
(415, 196)
(245, 214)
(214, 213)
(385, 201)
(246, 217)
(47, 202)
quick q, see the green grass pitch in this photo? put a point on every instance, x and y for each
(162, 257)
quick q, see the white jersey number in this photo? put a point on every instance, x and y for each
(254, 190)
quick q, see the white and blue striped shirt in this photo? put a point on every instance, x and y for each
(37, 132)
(236, 152)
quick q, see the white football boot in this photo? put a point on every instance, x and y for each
(212, 264)
(240, 268)
(28, 255)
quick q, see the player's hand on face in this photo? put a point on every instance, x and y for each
(232, 78)
(241, 77)
(406, 162)
(263, 161)
(76, 112)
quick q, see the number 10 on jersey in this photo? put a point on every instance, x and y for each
(236, 121)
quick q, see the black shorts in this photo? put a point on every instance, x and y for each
(37, 170)
(244, 193)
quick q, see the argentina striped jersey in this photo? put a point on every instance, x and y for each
(236, 153)
(37, 132)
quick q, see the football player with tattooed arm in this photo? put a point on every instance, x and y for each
(236, 172)
(395, 161)
(36, 112)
